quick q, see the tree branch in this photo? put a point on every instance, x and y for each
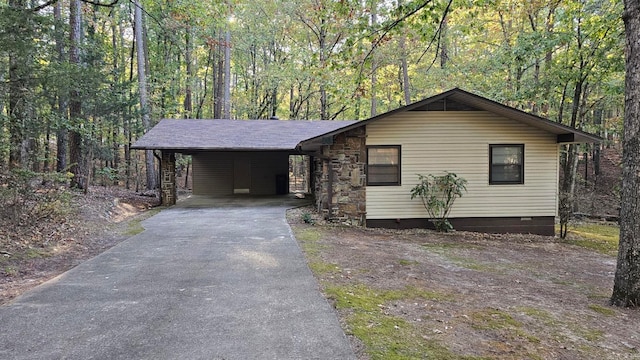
(97, 3)
(390, 26)
(40, 7)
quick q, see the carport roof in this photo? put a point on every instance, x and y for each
(221, 135)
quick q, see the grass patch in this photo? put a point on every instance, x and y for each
(441, 248)
(602, 238)
(363, 298)
(501, 322)
(591, 335)
(405, 262)
(602, 310)
(10, 271)
(323, 268)
(493, 319)
(308, 235)
(598, 296)
(309, 238)
(387, 336)
(541, 315)
(446, 250)
(26, 254)
(35, 253)
(134, 227)
(474, 265)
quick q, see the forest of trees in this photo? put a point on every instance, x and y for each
(81, 80)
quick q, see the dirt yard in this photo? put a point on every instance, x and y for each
(468, 295)
(400, 294)
(99, 220)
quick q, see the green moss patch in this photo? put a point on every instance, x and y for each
(602, 310)
(323, 268)
(134, 227)
(387, 336)
(447, 250)
(309, 238)
(493, 319)
(405, 262)
(602, 238)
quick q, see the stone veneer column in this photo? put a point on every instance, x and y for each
(168, 178)
(342, 197)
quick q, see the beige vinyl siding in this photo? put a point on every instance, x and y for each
(458, 142)
(213, 172)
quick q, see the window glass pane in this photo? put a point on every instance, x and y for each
(506, 173)
(507, 155)
(507, 164)
(383, 156)
(383, 174)
(383, 165)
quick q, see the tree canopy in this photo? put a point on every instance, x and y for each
(70, 82)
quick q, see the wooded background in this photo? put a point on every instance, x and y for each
(81, 80)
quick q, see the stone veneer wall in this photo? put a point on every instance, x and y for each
(168, 178)
(346, 158)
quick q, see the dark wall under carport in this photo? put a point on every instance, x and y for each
(224, 173)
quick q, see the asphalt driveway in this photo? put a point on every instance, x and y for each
(227, 282)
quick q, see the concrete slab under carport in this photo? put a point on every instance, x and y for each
(242, 200)
(207, 279)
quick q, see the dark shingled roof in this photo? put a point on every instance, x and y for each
(172, 134)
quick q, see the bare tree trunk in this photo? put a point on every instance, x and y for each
(63, 108)
(374, 62)
(406, 85)
(219, 86)
(597, 148)
(626, 288)
(404, 66)
(569, 166)
(75, 103)
(444, 49)
(18, 93)
(547, 61)
(188, 102)
(227, 75)
(322, 42)
(126, 121)
(144, 103)
(115, 144)
(205, 79)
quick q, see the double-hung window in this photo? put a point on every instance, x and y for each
(383, 165)
(506, 164)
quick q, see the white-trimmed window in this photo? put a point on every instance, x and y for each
(383, 165)
(506, 164)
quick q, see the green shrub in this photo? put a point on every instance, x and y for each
(438, 194)
(307, 218)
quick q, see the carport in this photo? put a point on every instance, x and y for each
(231, 157)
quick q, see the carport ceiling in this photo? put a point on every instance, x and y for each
(243, 135)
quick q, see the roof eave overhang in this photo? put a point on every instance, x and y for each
(564, 134)
(212, 149)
